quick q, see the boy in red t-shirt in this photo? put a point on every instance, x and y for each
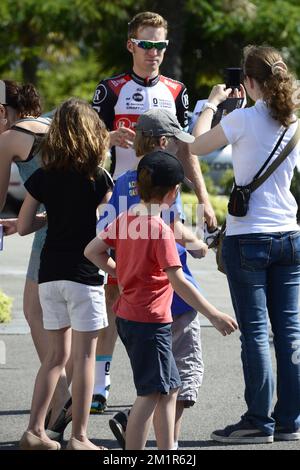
(147, 268)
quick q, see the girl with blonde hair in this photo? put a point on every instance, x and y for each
(22, 129)
(71, 184)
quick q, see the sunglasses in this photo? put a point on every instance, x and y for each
(159, 45)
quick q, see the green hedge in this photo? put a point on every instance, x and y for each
(5, 308)
(219, 204)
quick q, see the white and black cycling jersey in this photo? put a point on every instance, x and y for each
(120, 100)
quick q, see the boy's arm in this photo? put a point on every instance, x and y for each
(185, 237)
(106, 198)
(222, 322)
(103, 205)
(28, 220)
(96, 252)
(109, 211)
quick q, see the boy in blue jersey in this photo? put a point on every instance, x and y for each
(159, 129)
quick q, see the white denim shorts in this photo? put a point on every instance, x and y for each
(68, 303)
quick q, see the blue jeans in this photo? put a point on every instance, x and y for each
(263, 272)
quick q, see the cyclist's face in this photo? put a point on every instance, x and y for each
(146, 62)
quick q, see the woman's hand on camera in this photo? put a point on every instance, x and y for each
(238, 92)
(218, 94)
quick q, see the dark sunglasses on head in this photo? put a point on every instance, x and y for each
(143, 44)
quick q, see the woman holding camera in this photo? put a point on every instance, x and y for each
(261, 250)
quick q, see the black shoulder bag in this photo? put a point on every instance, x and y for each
(240, 195)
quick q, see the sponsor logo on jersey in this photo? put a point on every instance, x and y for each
(174, 87)
(138, 107)
(123, 122)
(133, 192)
(100, 94)
(160, 103)
(186, 118)
(138, 97)
(132, 188)
(171, 84)
(185, 99)
(117, 83)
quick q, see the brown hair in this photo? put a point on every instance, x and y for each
(144, 19)
(23, 98)
(144, 144)
(147, 191)
(266, 66)
(77, 139)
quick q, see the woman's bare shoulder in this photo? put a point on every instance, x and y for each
(15, 145)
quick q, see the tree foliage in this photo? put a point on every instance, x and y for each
(66, 46)
(55, 44)
(219, 29)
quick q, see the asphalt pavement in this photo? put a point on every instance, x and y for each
(220, 401)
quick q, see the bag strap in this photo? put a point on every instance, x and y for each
(269, 157)
(271, 154)
(281, 157)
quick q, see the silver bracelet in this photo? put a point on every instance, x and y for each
(211, 106)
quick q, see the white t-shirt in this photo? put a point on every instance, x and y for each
(253, 134)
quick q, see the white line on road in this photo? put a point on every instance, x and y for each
(6, 271)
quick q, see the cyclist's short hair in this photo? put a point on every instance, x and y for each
(146, 18)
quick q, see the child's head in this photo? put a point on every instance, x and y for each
(265, 65)
(159, 128)
(158, 174)
(77, 139)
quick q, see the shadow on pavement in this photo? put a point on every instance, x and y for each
(14, 412)
(10, 445)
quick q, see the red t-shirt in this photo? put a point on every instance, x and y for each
(145, 247)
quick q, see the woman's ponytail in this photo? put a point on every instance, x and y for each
(278, 93)
(23, 98)
(265, 65)
(30, 102)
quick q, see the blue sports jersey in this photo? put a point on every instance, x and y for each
(124, 196)
(179, 306)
